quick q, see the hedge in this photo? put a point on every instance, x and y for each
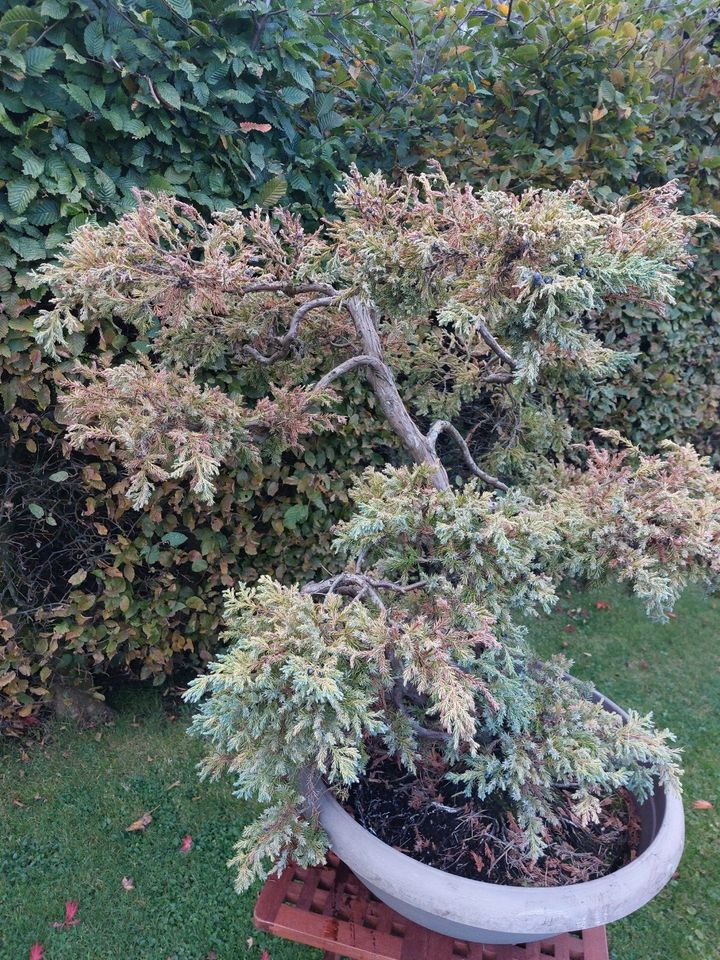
(178, 95)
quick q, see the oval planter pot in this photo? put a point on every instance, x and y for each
(494, 913)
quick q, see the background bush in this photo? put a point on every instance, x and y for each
(237, 105)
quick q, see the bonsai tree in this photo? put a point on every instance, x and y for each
(416, 647)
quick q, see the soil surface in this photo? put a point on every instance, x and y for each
(430, 820)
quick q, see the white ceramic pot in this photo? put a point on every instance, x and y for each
(494, 913)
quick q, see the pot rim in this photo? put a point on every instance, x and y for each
(503, 907)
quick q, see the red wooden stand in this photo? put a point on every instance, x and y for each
(327, 907)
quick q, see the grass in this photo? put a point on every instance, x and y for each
(67, 802)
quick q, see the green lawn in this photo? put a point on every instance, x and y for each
(66, 804)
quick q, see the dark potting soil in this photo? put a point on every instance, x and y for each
(430, 820)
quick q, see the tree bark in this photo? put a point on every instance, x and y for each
(385, 389)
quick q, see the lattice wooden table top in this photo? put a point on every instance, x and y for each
(327, 907)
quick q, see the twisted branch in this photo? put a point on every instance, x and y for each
(444, 426)
(290, 335)
(494, 345)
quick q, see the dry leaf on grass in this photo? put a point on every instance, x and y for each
(71, 918)
(703, 805)
(141, 823)
(128, 883)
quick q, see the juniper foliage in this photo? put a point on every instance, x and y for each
(445, 293)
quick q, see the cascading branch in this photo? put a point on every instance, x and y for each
(447, 295)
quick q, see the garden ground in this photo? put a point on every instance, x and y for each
(68, 800)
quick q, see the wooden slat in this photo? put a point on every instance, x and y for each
(331, 910)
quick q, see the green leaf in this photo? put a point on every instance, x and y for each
(94, 38)
(6, 280)
(21, 193)
(54, 9)
(168, 94)
(183, 8)
(300, 75)
(79, 152)
(272, 192)
(72, 54)
(236, 96)
(39, 60)
(527, 53)
(17, 16)
(27, 248)
(32, 166)
(44, 212)
(175, 539)
(59, 476)
(606, 91)
(293, 95)
(105, 185)
(7, 123)
(78, 95)
(296, 514)
(36, 510)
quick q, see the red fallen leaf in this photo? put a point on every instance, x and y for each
(265, 955)
(141, 823)
(186, 845)
(703, 805)
(127, 883)
(602, 605)
(569, 628)
(37, 951)
(71, 920)
(260, 127)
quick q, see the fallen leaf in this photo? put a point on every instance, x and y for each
(71, 919)
(265, 955)
(127, 883)
(172, 786)
(186, 845)
(569, 628)
(703, 805)
(37, 951)
(250, 941)
(602, 605)
(141, 823)
(260, 127)
(599, 112)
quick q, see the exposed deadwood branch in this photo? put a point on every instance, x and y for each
(284, 343)
(362, 360)
(386, 391)
(444, 426)
(494, 345)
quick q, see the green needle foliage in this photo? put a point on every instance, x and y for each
(421, 639)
